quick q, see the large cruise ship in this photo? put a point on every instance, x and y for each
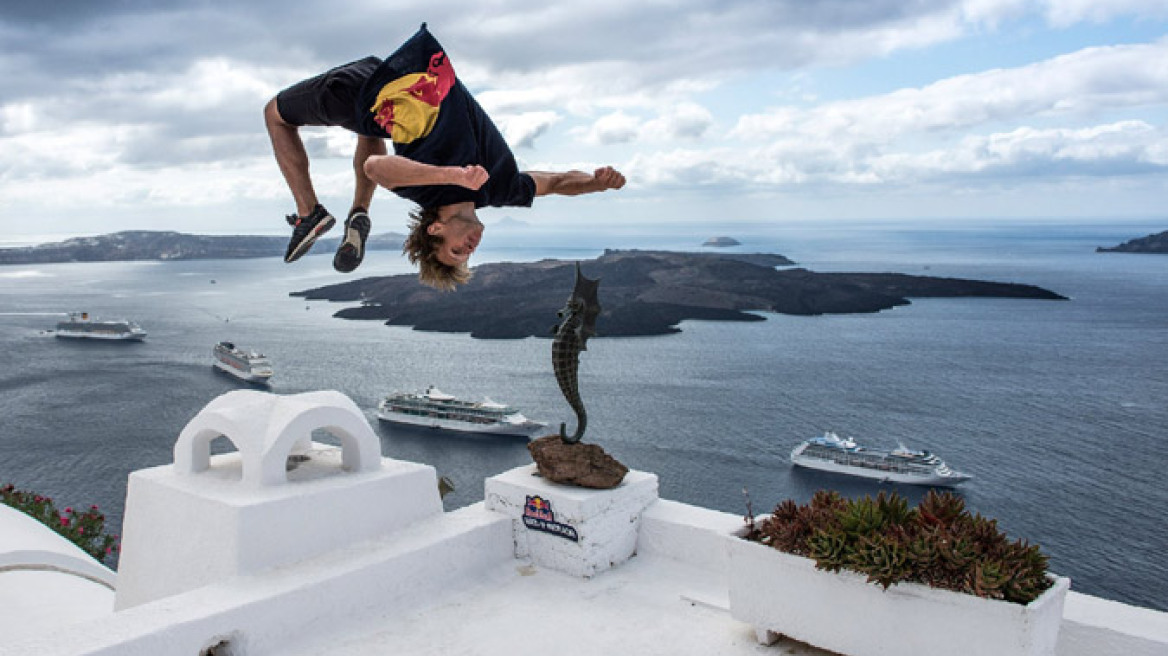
(434, 409)
(80, 325)
(832, 453)
(245, 365)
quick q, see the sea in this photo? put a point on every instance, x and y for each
(1059, 409)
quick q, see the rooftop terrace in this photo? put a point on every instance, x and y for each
(340, 551)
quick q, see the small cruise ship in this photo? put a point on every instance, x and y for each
(80, 325)
(833, 453)
(245, 365)
(435, 409)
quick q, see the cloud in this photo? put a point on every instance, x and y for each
(521, 130)
(161, 102)
(1087, 82)
(614, 128)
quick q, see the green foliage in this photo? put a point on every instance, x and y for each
(85, 529)
(939, 543)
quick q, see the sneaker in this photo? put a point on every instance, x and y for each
(352, 248)
(305, 230)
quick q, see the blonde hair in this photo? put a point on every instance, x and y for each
(421, 248)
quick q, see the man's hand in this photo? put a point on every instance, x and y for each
(607, 177)
(471, 177)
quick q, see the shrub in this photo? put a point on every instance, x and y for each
(85, 529)
(938, 543)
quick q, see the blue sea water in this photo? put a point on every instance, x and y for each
(1058, 408)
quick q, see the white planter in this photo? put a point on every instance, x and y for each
(779, 593)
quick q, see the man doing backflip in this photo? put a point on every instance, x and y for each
(449, 158)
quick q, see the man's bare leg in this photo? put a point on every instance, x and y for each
(364, 187)
(291, 157)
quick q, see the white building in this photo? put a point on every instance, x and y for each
(289, 547)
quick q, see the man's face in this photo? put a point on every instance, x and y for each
(460, 237)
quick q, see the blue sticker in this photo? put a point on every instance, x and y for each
(538, 516)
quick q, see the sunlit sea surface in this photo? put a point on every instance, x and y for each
(1058, 409)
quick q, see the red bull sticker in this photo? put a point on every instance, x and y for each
(538, 516)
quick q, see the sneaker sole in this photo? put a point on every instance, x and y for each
(310, 239)
(353, 248)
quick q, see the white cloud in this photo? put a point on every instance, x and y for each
(1063, 13)
(1084, 83)
(614, 128)
(521, 130)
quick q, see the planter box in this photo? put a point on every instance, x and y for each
(779, 593)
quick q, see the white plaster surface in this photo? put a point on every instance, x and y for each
(46, 581)
(606, 522)
(450, 585)
(25, 543)
(265, 428)
(1100, 626)
(185, 531)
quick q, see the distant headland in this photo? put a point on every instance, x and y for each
(722, 242)
(1157, 243)
(643, 293)
(161, 245)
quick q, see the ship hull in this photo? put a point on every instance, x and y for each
(879, 475)
(245, 376)
(109, 337)
(501, 428)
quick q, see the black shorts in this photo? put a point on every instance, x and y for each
(329, 98)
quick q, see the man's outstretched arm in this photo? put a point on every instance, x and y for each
(574, 183)
(391, 171)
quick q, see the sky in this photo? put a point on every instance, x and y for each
(147, 115)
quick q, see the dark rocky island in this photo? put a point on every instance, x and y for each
(161, 245)
(1157, 243)
(643, 293)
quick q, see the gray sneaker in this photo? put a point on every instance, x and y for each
(305, 230)
(352, 248)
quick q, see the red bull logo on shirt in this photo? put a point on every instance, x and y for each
(538, 516)
(407, 108)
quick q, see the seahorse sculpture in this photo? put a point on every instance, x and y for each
(571, 337)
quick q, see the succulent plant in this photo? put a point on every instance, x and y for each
(938, 543)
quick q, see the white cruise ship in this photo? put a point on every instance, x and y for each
(832, 453)
(80, 325)
(434, 409)
(245, 365)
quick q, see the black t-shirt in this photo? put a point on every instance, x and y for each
(415, 99)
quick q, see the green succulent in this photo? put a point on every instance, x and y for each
(829, 549)
(938, 543)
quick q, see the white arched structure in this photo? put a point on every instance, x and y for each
(209, 518)
(265, 428)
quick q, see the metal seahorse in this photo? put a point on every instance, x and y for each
(571, 337)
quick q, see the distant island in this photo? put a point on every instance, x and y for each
(132, 245)
(1157, 243)
(722, 242)
(642, 293)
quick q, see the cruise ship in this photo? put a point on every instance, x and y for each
(435, 409)
(833, 453)
(245, 365)
(80, 325)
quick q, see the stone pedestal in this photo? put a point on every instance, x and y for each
(578, 531)
(280, 498)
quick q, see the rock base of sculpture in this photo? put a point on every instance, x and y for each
(583, 465)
